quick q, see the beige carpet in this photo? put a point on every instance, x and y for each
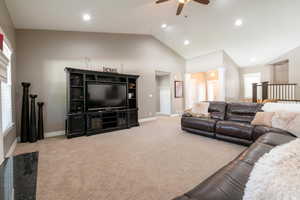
(156, 161)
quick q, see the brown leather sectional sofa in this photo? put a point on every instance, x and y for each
(231, 122)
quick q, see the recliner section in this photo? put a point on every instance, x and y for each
(201, 123)
(235, 129)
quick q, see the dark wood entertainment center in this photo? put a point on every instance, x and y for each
(82, 121)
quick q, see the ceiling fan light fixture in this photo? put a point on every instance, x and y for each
(182, 3)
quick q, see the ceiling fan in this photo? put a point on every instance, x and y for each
(181, 3)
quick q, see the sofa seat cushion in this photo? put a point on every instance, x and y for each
(226, 184)
(204, 124)
(235, 129)
(254, 152)
(261, 130)
(275, 139)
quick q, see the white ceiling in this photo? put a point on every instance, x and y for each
(271, 27)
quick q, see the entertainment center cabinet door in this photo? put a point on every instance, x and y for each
(75, 125)
(94, 123)
(133, 117)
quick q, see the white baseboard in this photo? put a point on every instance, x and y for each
(12, 148)
(162, 114)
(175, 115)
(54, 134)
(147, 119)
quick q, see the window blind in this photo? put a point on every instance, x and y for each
(6, 98)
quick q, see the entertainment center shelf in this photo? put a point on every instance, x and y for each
(99, 102)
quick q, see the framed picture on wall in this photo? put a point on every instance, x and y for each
(178, 89)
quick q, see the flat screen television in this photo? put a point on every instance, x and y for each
(105, 95)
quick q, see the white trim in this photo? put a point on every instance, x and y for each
(175, 115)
(162, 114)
(12, 148)
(147, 119)
(54, 134)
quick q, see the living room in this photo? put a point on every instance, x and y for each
(119, 100)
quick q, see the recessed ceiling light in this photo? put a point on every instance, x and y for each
(186, 42)
(163, 26)
(238, 22)
(253, 59)
(86, 17)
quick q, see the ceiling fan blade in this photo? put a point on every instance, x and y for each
(161, 1)
(202, 1)
(179, 9)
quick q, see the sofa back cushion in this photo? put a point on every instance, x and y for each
(242, 112)
(217, 109)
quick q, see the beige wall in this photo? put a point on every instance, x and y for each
(9, 31)
(43, 55)
(281, 72)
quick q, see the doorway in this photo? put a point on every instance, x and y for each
(163, 93)
(204, 86)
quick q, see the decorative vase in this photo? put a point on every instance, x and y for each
(25, 113)
(40, 121)
(33, 130)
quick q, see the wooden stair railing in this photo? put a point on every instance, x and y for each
(279, 92)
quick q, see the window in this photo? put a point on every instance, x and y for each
(249, 79)
(6, 100)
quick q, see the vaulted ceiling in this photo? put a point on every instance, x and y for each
(270, 27)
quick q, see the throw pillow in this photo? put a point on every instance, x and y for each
(294, 126)
(200, 108)
(263, 118)
(189, 113)
(282, 119)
